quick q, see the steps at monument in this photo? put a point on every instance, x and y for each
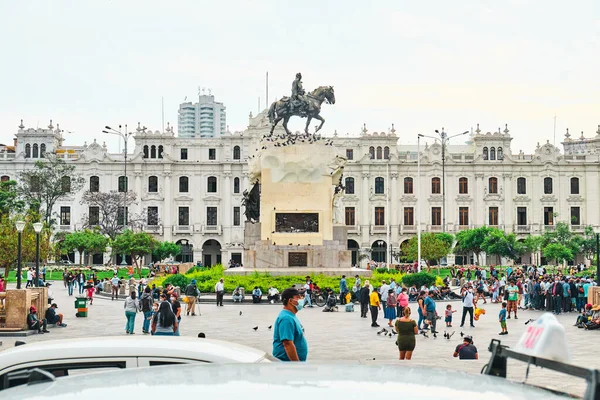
(300, 271)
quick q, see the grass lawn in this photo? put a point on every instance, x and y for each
(57, 275)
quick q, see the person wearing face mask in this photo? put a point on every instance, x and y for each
(176, 307)
(467, 302)
(289, 343)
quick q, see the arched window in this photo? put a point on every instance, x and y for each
(500, 154)
(485, 153)
(493, 185)
(152, 184)
(35, 151)
(436, 186)
(349, 183)
(379, 185)
(236, 185)
(547, 185)
(146, 151)
(574, 185)
(379, 153)
(160, 151)
(211, 184)
(236, 153)
(94, 184)
(42, 150)
(183, 184)
(492, 153)
(408, 185)
(153, 151)
(372, 153)
(27, 150)
(386, 153)
(463, 185)
(5, 178)
(65, 184)
(123, 184)
(521, 185)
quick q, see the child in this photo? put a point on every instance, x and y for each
(502, 319)
(90, 292)
(449, 312)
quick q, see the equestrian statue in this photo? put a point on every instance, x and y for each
(300, 104)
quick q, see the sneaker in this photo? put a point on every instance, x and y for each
(63, 325)
(472, 326)
(461, 325)
(516, 317)
(46, 331)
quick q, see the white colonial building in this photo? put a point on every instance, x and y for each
(191, 188)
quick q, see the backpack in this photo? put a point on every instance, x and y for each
(146, 303)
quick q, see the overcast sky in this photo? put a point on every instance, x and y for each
(418, 64)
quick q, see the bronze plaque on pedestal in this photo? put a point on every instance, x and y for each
(297, 222)
(298, 259)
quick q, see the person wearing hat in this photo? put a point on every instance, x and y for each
(390, 309)
(50, 294)
(53, 317)
(466, 350)
(34, 323)
(191, 293)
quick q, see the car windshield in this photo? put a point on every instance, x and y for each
(332, 182)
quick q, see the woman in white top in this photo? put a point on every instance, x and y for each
(132, 306)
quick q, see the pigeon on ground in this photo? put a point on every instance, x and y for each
(450, 335)
(394, 332)
(240, 313)
(461, 334)
(530, 320)
(445, 335)
(255, 328)
(435, 335)
(270, 326)
(390, 334)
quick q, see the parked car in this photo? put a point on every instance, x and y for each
(281, 381)
(77, 356)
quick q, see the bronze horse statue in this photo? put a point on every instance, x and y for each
(281, 109)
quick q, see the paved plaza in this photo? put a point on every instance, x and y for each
(332, 337)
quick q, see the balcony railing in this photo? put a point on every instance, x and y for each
(408, 228)
(434, 228)
(214, 229)
(522, 228)
(378, 229)
(353, 229)
(578, 228)
(549, 227)
(183, 229)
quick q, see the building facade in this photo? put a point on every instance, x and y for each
(191, 188)
(204, 119)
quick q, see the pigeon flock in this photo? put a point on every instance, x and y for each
(284, 140)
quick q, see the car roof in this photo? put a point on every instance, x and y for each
(336, 381)
(146, 346)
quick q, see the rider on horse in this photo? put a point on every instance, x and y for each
(297, 100)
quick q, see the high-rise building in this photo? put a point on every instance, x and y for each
(206, 118)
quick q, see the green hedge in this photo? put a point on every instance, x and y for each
(419, 279)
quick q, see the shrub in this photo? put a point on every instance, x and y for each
(419, 279)
(391, 271)
(177, 280)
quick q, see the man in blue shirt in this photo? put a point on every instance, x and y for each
(343, 289)
(430, 310)
(289, 343)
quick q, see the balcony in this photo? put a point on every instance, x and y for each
(464, 227)
(212, 229)
(378, 229)
(355, 229)
(549, 228)
(189, 229)
(66, 228)
(434, 228)
(154, 229)
(578, 228)
(522, 228)
(408, 228)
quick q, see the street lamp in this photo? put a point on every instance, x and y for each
(37, 227)
(123, 135)
(20, 226)
(419, 202)
(597, 232)
(444, 138)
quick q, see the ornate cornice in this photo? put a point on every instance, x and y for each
(521, 199)
(548, 199)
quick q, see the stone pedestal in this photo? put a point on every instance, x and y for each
(296, 230)
(17, 305)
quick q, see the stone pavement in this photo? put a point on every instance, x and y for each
(338, 337)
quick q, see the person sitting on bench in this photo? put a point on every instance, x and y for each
(34, 323)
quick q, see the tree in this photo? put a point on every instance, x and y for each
(557, 252)
(533, 244)
(433, 247)
(471, 240)
(84, 241)
(110, 206)
(500, 244)
(165, 250)
(50, 180)
(9, 199)
(136, 244)
(9, 245)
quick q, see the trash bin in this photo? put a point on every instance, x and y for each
(81, 306)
